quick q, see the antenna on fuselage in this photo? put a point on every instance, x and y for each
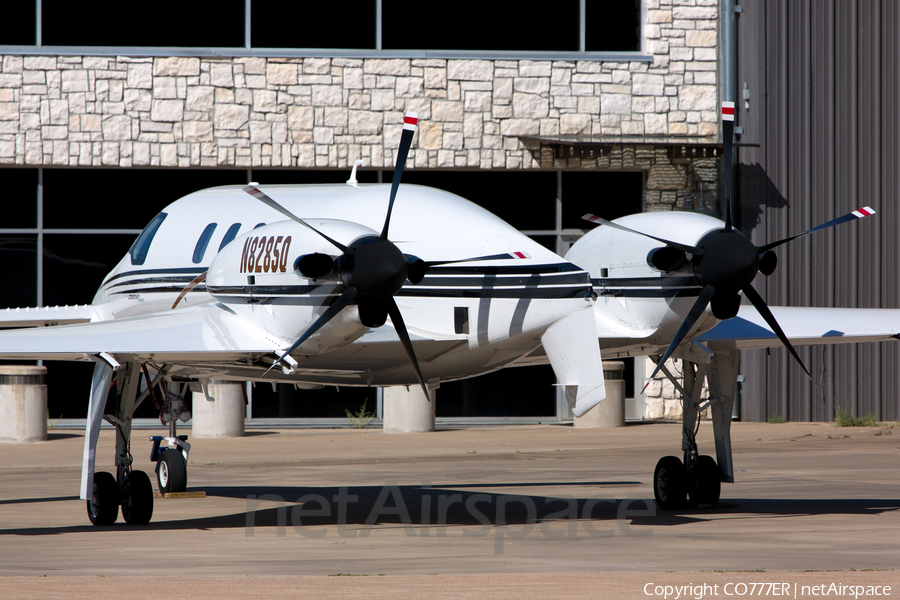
(352, 181)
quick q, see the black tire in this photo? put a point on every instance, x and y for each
(171, 472)
(103, 506)
(670, 483)
(705, 483)
(138, 506)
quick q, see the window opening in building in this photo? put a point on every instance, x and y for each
(149, 191)
(141, 246)
(612, 26)
(230, 235)
(293, 24)
(610, 194)
(480, 25)
(22, 13)
(202, 243)
(524, 200)
(19, 198)
(74, 269)
(18, 255)
(164, 23)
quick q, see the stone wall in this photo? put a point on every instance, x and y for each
(184, 111)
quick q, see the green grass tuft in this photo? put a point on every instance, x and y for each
(843, 418)
(777, 419)
(360, 419)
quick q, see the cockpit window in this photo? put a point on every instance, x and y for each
(203, 242)
(141, 245)
(230, 235)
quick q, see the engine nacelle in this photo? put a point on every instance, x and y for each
(639, 281)
(257, 276)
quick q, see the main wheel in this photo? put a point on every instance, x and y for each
(705, 483)
(670, 483)
(138, 506)
(103, 505)
(171, 472)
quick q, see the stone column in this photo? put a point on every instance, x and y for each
(610, 412)
(23, 403)
(406, 410)
(224, 416)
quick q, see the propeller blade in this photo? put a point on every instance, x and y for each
(400, 326)
(699, 306)
(336, 307)
(262, 197)
(505, 256)
(194, 283)
(682, 247)
(766, 314)
(409, 130)
(727, 146)
(418, 267)
(860, 213)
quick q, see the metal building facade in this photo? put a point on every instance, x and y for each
(818, 89)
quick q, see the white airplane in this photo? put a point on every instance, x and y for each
(380, 285)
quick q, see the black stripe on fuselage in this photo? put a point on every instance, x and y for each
(505, 281)
(505, 269)
(647, 287)
(653, 282)
(190, 271)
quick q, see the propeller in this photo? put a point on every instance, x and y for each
(372, 268)
(725, 262)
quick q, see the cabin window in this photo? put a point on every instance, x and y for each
(461, 319)
(141, 245)
(230, 235)
(203, 242)
(258, 225)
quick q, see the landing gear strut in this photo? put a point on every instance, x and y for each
(104, 492)
(171, 461)
(698, 477)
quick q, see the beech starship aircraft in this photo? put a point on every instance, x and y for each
(381, 285)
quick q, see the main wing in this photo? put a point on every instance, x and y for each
(210, 340)
(204, 333)
(46, 316)
(806, 327)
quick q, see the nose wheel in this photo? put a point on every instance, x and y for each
(171, 463)
(171, 472)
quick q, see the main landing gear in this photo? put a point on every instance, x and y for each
(134, 494)
(130, 489)
(699, 477)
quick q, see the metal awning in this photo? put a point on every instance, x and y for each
(593, 146)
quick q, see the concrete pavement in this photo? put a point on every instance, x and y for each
(544, 507)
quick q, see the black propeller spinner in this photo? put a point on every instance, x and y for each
(725, 262)
(372, 268)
